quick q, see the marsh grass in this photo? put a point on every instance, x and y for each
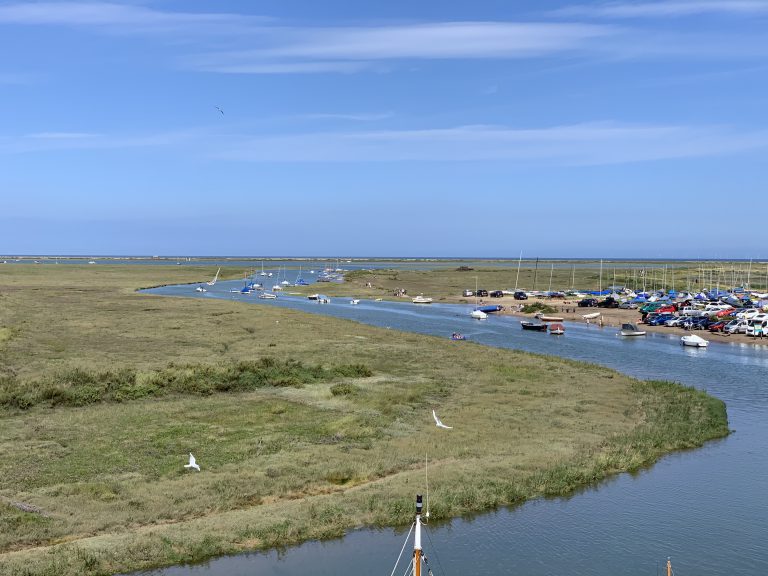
(81, 387)
(281, 463)
(539, 307)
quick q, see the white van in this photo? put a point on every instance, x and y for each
(758, 326)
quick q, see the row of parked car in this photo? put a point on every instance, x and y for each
(754, 325)
(519, 295)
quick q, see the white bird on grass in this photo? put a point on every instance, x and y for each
(192, 463)
(439, 422)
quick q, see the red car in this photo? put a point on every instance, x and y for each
(717, 326)
(723, 313)
(667, 308)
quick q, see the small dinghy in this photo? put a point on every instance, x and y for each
(457, 336)
(550, 318)
(694, 341)
(631, 330)
(526, 325)
(478, 315)
(591, 316)
(556, 329)
(354, 302)
(267, 296)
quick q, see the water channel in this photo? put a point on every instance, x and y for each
(706, 508)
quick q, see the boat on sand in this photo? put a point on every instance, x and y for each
(591, 316)
(545, 318)
(421, 299)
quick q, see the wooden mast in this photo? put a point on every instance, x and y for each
(417, 539)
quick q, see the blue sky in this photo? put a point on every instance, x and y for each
(594, 129)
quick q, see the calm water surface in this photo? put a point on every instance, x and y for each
(707, 508)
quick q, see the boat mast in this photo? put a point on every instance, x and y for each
(520, 259)
(551, 270)
(601, 276)
(417, 539)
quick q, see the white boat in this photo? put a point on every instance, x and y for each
(276, 288)
(89, 262)
(421, 299)
(285, 283)
(313, 297)
(591, 316)
(631, 330)
(550, 318)
(354, 301)
(262, 273)
(200, 289)
(212, 282)
(693, 340)
(557, 329)
(477, 314)
(267, 296)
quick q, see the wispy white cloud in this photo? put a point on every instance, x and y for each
(62, 141)
(577, 144)
(667, 8)
(61, 135)
(126, 18)
(349, 49)
(601, 143)
(233, 64)
(355, 117)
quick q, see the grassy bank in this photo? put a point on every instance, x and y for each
(102, 486)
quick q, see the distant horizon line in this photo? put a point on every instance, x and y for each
(375, 258)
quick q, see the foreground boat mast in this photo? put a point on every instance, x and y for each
(417, 538)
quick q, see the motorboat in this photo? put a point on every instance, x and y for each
(200, 289)
(631, 330)
(421, 299)
(457, 336)
(313, 297)
(694, 341)
(478, 315)
(354, 302)
(556, 329)
(591, 316)
(267, 296)
(276, 288)
(527, 325)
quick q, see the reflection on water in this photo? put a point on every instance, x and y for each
(706, 508)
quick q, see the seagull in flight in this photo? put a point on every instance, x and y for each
(220, 110)
(192, 463)
(438, 422)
